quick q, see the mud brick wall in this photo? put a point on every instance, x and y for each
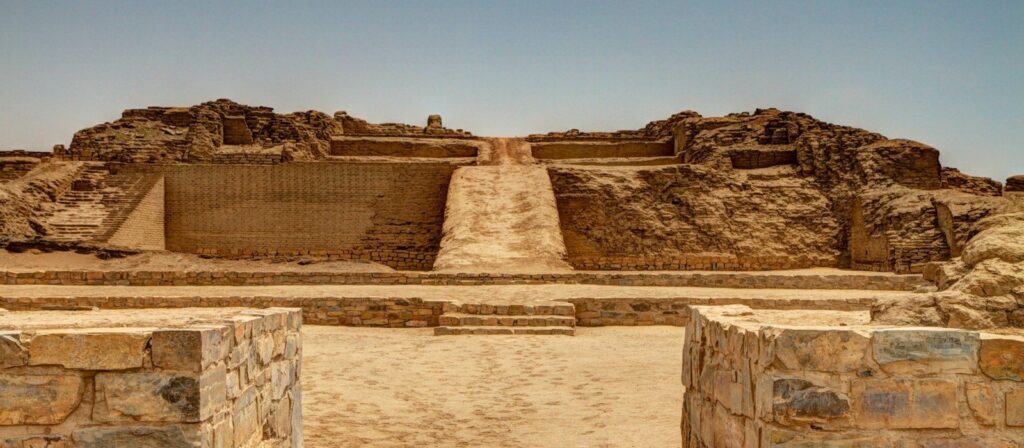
(388, 213)
(404, 147)
(600, 149)
(764, 385)
(229, 382)
(15, 167)
(144, 227)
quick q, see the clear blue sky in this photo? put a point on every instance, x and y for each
(950, 74)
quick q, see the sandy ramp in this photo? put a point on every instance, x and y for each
(502, 217)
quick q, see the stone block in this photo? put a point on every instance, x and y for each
(822, 350)
(107, 350)
(38, 399)
(905, 404)
(981, 400)
(926, 351)
(245, 417)
(781, 438)
(797, 400)
(12, 352)
(139, 437)
(191, 350)
(159, 396)
(36, 441)
(1002, 358)
(1015, 407)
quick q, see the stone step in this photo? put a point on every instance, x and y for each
(457, 331)
(553, 308)
(463, 320)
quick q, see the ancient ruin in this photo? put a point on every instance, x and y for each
(838, 287)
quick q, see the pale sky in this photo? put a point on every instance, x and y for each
(949, 74)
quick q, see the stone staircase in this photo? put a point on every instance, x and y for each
(97, 204)
(555, 318)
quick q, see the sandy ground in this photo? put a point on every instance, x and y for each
(605, 387)
(171, 261)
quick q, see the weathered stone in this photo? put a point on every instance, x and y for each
(925, 351)
(138, 437)
(1002, 358)
(38, 399)
(905, 404)
(1015, 407)
(981, 400)
(823, 350)
(186, 349)
(780, 438)
(159, 396)
(107, 350)
(968, 442)
(799, 400)
(12, 352)
(36, 441)
(245, 417)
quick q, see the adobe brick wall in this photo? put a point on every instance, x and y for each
(755, 384)
(231, 380)
(143, 229)
(388, 213)
(599, 149)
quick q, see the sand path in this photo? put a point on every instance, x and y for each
(607, 387)
(502, 217)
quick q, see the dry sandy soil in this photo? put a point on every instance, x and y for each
(605, 387)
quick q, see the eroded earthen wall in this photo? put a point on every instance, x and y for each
(219, 383)
(388, 213)
(692, 217)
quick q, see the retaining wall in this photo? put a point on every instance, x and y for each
(753, 383)
(834, 280)
(229, 381)
(387, 213)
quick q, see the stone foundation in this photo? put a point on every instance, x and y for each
(825, 378)
(161, 378)
(834, 279)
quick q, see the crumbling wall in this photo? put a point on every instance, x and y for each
(404, 147)
(231, 381)
(25, 200)
(693, 217)
(388, 213)
(805, 378)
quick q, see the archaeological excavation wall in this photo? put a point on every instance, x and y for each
(388, 213)
(404, 147)
(691, 217)
(827, 378)
(210, 378)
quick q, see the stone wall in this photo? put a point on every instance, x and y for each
(803, 379)
(230, 380)
(836, 280)
(387, 213)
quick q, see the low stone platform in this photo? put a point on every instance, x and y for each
(826, 378)
(421, 306)
(148, 378)
(816, 278)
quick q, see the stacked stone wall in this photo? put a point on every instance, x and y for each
(15, 167)
(860, 281)
(749, 384)
(339, 311)
(387, 213)
(232, 382)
